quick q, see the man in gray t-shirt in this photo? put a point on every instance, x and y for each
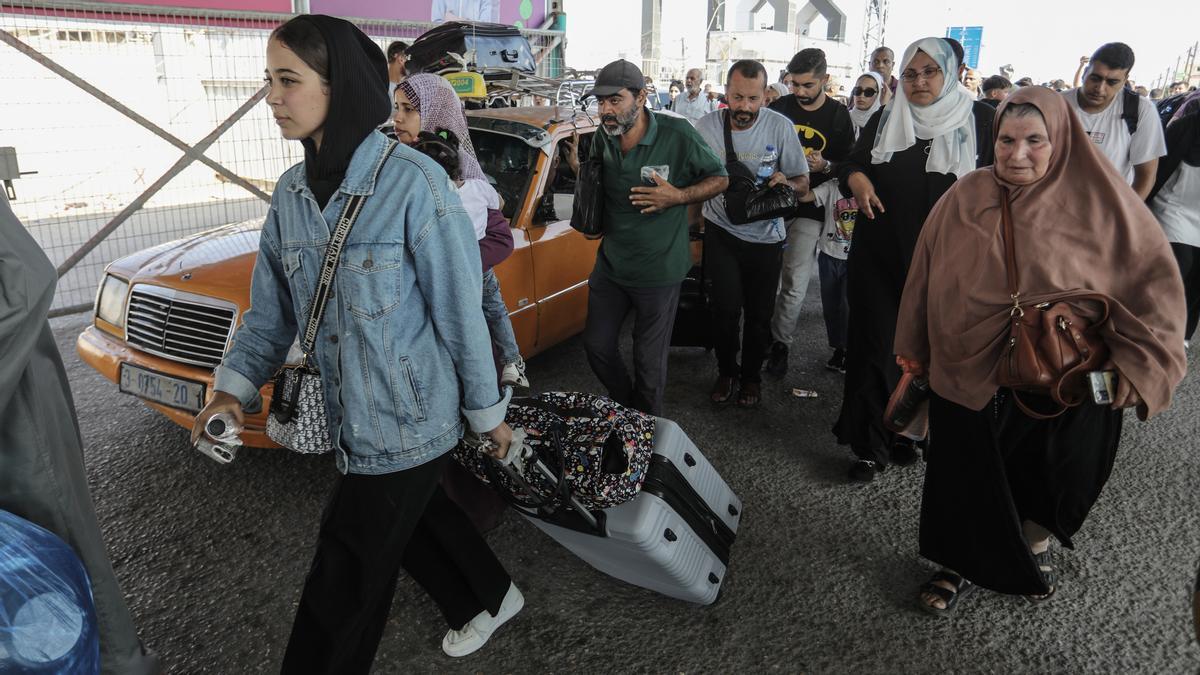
(742, 262)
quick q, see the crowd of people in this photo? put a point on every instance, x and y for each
(902, 197)
(911, 195)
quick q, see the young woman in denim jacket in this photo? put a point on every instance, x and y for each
(403, 354)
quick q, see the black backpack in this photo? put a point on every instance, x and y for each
(1129, 111)
(1168, 106)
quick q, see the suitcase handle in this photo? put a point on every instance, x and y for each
(561, 488)
(540, 507)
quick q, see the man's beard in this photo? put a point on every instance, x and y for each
(624, 122)
(807, 100)
(744, 119)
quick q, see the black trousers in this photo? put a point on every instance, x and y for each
(740, 275)
(653, 318)
(990, 470)
(834, 303)
(1188, 258)
(371, 527)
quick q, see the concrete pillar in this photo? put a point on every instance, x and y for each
(789, 11)
(651, 37)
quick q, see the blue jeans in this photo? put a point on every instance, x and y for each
(833, 298)
(499, 326)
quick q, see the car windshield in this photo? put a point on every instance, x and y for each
(508, 163)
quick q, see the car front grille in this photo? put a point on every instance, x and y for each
(179, 326)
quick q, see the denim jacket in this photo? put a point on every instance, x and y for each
(403, 350)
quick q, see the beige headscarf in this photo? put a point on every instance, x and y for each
(1079, 228)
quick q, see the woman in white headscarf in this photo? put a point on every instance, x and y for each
(865, 98)
(907, 155)
(774, 91)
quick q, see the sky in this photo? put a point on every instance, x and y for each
(1042, 39)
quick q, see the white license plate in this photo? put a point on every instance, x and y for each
(164, 389)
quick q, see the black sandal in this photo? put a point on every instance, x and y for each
(723, 390)
(962, 589)
(1045, 563)
(904, 451)
(750, 395)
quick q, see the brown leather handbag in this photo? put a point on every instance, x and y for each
(1051, 347)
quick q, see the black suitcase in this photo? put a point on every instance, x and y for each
(495, 46)
(692, 318)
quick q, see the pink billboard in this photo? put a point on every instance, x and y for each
(284, 6)
(521, 13)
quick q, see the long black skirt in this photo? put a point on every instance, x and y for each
(988, 471)
(877, 268)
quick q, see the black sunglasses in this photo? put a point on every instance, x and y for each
(859, 91)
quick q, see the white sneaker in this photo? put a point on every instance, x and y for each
(513, 375)
(475, 634)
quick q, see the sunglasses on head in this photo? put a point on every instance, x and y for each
(864, 91)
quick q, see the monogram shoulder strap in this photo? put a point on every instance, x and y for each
(333, 254)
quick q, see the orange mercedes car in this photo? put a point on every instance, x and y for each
(165, 316)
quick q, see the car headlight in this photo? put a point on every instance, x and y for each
(110, 303)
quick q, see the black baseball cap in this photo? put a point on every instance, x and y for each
(616, 76)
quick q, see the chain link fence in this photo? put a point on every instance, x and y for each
(135, 125)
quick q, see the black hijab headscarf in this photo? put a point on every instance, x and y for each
(358, 102)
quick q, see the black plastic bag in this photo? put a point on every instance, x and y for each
(746, 201)
(587, 214)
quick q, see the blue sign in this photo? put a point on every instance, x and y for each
(971, 38)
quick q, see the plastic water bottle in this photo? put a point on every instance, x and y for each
(766, 168)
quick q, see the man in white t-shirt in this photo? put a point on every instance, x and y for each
(742, 262)
(692, 104)
(1108, 113)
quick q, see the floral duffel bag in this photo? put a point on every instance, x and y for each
(585, 447)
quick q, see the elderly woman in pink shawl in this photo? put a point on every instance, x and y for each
(1001, 482)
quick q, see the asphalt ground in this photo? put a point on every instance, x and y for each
(823, 577)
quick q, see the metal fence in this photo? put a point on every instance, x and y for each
(145, 124)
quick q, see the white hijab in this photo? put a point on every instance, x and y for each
(860, 117)
(949, 121)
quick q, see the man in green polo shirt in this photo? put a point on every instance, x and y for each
(654, 166)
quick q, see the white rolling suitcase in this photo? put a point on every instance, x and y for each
(674, 537)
